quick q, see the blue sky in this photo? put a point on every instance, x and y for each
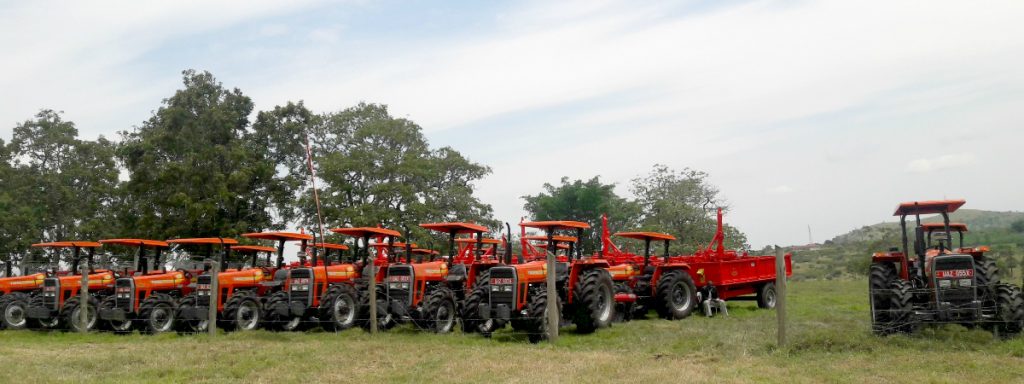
(804, 113)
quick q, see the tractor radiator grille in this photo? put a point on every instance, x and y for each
(123, 289)
(502, 286)
(301, 285)
(51, 290)
(203, 290)
(954, 285)
(400, 283)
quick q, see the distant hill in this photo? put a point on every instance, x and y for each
(849, 253)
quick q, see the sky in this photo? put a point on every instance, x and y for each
(805, 114)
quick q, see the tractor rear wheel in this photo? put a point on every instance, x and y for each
(1009, 310)
(189, 326)
(118, 327)
(440, 310)
(536, 322)
(901, 308)
(767, 296)
(676, 296)
(623, 311)
(338, 308)
(156, 314)
(471, 320)
(385, 320)
(14, 307)
(242, 312)
(595, 302)
(72, 314)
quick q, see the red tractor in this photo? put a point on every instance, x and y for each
(939, 284)
(58, 305)
(663, 284)
(238, 297)
(15, 293)
(372, 273)
(517, 293)
(145, 299)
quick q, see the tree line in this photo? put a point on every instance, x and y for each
(205, 165)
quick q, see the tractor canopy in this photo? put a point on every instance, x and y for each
(557, 238)
(340, 247)
(555, 225)
(136, 243)
(455, 228)
(928, 207)
(68, 244)
(253, 248)
(469, 240)
(932, 227)
(205, 240)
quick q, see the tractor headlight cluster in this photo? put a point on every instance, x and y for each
(501, 288)
(398, 285)
(945, 283)
(49, 291)
(965, 282)
(300, 284)
(124, 293)
(203, 289)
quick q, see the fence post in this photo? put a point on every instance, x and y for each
(553, 315)
(83, 306)
(780, 294)
(211, 324)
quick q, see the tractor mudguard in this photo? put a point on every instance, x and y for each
(113, 314)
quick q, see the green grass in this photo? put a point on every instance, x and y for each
(829, 332)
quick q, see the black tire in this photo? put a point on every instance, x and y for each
(536, 322)
(13, 308)
(471, 319)
(880, 281)
(1009, 310)
(676, 296)
(118, 327)
(157, 314)
(385, 320)
(242, 312)
(623, 311)
(70, 314)
(189, 326)
(42, 324)
(767, 296)
(339, 308)
(595, 300)
(986, 275)
(901, 307)
(274, 322)
(440, 310)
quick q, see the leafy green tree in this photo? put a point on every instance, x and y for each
(194, 169)
(584, 201)
(683, 203)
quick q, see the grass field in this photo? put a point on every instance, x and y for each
(830, 342)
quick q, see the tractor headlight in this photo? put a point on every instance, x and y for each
(945, 283)
(965, 282)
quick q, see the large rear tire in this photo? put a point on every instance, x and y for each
(71, 314)
(1009, 310)
(595, 302)
(157, 314)
(440, 310)
(676, 296)
(13, 308)
(339, 308)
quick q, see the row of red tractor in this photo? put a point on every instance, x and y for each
(481, 286)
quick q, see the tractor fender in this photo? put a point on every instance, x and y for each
(577, 269)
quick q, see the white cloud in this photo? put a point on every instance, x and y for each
(941, 163)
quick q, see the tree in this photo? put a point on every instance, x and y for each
(56, 186)
(682, 203)
(194, 169)
(372, 169)
(1018, 226)
(586, 202)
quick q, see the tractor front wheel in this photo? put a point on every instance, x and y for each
(595, 306)
(156, 313)
(72, 314)
(14, 307)
(189, 326)
(276, 303)
(242, 312)
(385, 320)
(901, 307)
(119, 327)
(471, 320)
(676, 295)
(339, 308)
(440, 310)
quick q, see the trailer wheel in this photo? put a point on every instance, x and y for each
(677, 295)
(471, 320)
(1010, 310)
(879, 282)
(338, 308)
(189, 326)
(72, 314)
(242, 312)
(901, 307)
(536, 322)
(118, 327)
(13, 307)
(440, 310)
(156, 313)
(767, 296)
(623, 311)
